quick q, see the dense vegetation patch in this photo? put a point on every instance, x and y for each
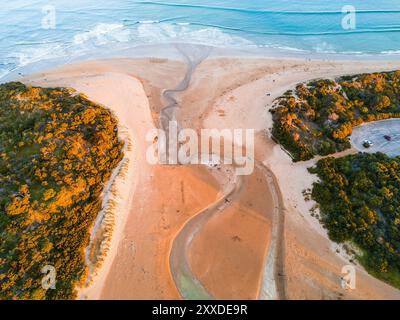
(359, 198)
(317, 118)
(57, 149)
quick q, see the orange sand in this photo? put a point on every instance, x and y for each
(228, 254)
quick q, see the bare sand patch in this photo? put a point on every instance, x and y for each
(228, 254)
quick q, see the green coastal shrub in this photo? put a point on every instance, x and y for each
(317, 118)
(57, 150)
(359, 198)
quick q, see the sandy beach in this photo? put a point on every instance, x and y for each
(260, 243)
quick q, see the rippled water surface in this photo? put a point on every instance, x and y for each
(88, 26)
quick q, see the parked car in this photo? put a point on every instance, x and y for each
(367, 143)
(388, 138)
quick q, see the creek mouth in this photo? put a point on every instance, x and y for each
(188, 286)
(193, 56)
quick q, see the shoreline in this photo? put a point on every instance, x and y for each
(168, 51)
(236, 85)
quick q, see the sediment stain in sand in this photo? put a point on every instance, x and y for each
(227, 255)
(189, 286)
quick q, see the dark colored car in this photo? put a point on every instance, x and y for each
(367, 144)
(388, 138)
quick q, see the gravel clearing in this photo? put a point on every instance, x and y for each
(376, 132)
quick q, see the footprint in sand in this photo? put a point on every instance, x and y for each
(130, 245)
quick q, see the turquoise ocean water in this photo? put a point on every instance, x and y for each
(92, 27)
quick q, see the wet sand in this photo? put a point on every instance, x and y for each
(227, 256)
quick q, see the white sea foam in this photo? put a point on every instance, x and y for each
(33, 54)
(3, 72)
(148, 21)
(103, 33)
(142, 33)
(151, 32)
(284, 48)
(324, 47)
(165, 32)
(390, 52)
